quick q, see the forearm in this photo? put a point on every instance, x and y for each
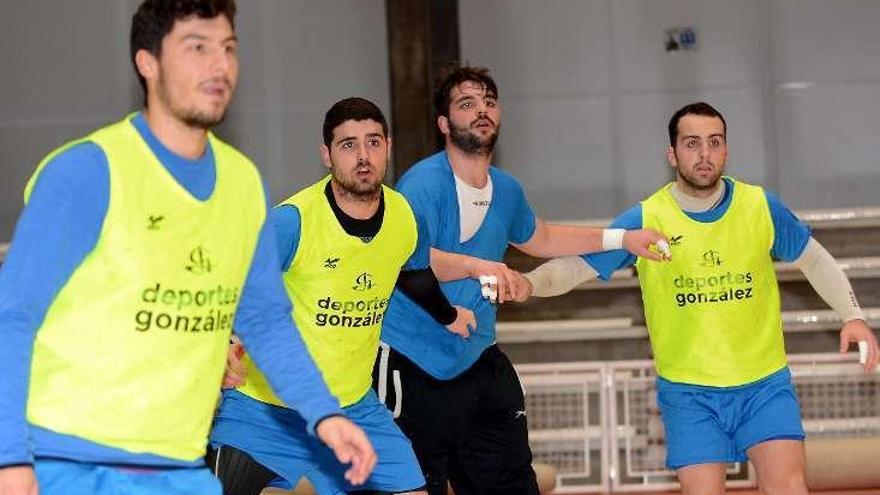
(277, 348)
(450, 266)
(557, 240)
(423, 288)
(559, 276)
(18, 340)
(829, 281)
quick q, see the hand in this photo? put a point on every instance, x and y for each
(522, 290)
(639, 242)
(236, 373)
(855, 331)
(507, 279)
(18, 480)
(350, 445)
(464, 323)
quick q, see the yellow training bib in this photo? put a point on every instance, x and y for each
(340, 287)
(132, 350)
(713, 312)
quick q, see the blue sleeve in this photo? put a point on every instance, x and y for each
(58, 227)
(523, 219)
(791, 235)
(421, 257)
(287, 225)
(264, 323)
(607, 262)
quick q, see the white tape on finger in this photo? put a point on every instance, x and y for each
(863, 352)
(489, 293)
(488, 287)
(663, 247)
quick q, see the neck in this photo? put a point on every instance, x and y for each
(357, 207)
(694, 192)
(472, 169)
(186, 141)
(689, 200)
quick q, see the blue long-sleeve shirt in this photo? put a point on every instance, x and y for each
(58, 228)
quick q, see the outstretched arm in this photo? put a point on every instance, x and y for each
(552, 240)
(559, 276)
(830, 282)
(511, 285)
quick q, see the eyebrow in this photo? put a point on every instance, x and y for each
(694, 136)
(202, 37)
(353, 138)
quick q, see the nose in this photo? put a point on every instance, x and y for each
(222, 62)
(704, 150)
(361, 153)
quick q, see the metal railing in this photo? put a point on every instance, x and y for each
(599, 425)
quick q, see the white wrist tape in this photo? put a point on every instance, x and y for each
(863, 352)
(612, 239)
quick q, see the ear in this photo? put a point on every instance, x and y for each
(147, 65)
(443, 124)
(388, 143)
(325, 156)
(670, 157)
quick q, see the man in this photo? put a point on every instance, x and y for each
(459, 399)
(713, 312)
(138, 248)
(342, 242)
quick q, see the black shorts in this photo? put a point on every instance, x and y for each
(470, 430)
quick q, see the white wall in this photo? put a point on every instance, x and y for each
(587, 90)
(66, 70)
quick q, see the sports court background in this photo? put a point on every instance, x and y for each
(587, 87)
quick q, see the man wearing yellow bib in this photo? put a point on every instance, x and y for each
(713, 312)
(139, 248)
(343, 243)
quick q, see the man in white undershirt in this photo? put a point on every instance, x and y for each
(473, 203)
(459, 399)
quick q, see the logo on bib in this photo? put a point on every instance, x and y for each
(199, 261)
(676, 240)
(331, 263)
(364, 282)
(711, 258)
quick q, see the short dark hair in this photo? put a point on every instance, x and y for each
(452, 76)
(698, 108)
(154, 19)
(354, 108)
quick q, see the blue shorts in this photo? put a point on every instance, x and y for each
(719, 424)
(59, 477)
(276, 437)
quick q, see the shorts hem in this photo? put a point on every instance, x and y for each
(794, 436)
(672, 466)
